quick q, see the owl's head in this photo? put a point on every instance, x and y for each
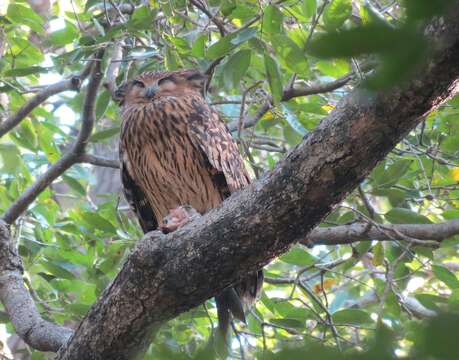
(151, 85)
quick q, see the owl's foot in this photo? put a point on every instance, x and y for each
(177, 218)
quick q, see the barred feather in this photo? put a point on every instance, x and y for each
(176, 150)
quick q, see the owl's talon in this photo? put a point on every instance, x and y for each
(177, 218)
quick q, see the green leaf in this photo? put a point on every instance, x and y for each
(450, 144)
(272, 20)
(395, 196)
(243, 36)
(10, 158)
(104, 134)
(289, 323)
(274, 78)
(405, 216)
(4, 318)
(91, 3)
(78, 309)
(75, 185)
(445, 276)
(98, 222)
(333, 68)
(393, 173)
(309, 8)
(46, 142)
(141, 19)
(228, 43)
(26, 71)
(369, 39)
(293, 121)
(378, 254)
(64, 36)
(98, 26)
(236, 67)
(287, 310)
(352, 316)
(57, 270)
(102, 103)
(430, 301)
(336, 13)
(199, 47)
(293, 57)
(298, 256)
(24, 15)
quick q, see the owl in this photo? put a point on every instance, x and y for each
(175, 150)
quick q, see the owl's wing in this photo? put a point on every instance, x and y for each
(137, 200)
(209, 133)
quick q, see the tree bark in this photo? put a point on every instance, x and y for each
(163, 276)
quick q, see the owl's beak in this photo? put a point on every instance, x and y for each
(150, 91)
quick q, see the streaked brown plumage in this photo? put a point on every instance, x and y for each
(175, 150)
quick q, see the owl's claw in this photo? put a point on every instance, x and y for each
(177, 218)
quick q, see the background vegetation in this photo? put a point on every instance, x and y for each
(274, 79)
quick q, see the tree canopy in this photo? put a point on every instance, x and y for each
(373, 278)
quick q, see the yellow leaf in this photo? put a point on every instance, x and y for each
(327, 284)
(328, 107)
(455, 173)
(268, 116)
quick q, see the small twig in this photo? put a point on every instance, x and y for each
(290, 93)
(242, 108)
(213, 18)
(114, 68)
(73, 83)
(315, 21)
(99, 161)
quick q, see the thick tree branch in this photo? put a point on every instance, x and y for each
(19, 305)
(70, 157)
(163, 276)
(73, 83)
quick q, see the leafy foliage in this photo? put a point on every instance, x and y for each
(75, 236)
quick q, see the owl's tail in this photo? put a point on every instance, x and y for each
(234, 301)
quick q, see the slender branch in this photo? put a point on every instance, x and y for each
(315, 21)
(69, 158)
(99, 161)
(73, 83)
(120, 9)
(19, 305)
(218, 23)
(348, 234)
(290, 93)
(114, 68)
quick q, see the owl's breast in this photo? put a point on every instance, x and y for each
(166, 164)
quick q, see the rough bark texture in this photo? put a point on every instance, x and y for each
(164, 274)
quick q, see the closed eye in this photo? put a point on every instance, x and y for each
(168, 78)
(138, 83)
